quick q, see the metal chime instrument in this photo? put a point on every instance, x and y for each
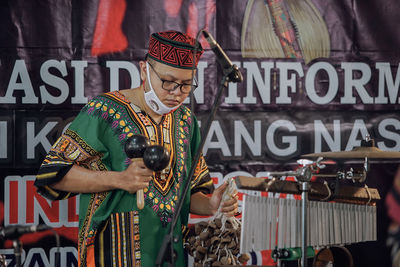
(273, 223)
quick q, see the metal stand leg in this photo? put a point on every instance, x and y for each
(304, 197)
(17, 252)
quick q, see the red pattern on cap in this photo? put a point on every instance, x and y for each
(174, 48)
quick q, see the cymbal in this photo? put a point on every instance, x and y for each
(358, 152)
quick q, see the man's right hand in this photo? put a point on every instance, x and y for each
(136, 176)
(81, 180)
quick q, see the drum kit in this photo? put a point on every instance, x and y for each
(327, 217)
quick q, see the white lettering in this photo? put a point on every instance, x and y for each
(221, 143)
(9, 254)
(79, 67)
(54, 81)
(33, 140)
(333, 83)
(25, 84)
(358, 127)
(385, 75)
(358, 84)
(385, 133)
(68, 256)
(290, 140)
(3, 140)
(115, 67)
(199, 92)
(322, 132)
(37, 257)
(241, 132)
(286, 81)
(232, 97)
(263, 85)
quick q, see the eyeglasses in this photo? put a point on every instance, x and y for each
(171, 85)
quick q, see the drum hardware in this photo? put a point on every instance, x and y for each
(311, 167)
(314, 165)
(14, 232)
(290, 254)
(282, 253)
(355, 176)
(17, 246)
(17, 252)
(3, 261)
(303, 176)
(303, 173)
(329, 196)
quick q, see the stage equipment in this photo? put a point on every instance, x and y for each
(366, 150)
(14, 232)
(350, 219)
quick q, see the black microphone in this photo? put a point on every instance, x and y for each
(223, 59)
(15, 231)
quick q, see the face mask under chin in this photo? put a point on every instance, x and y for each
(152, 99)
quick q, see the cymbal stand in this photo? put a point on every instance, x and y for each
(303, 176)
(304, 179)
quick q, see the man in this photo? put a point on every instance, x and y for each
(89, 159)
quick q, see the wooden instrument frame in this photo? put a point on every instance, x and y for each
(318, 191)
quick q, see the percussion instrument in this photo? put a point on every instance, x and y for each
(270, 223)
(155, 157)
(279, 224)
(358, 152)
(366, 150)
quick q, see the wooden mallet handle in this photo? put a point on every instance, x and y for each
(139, 193)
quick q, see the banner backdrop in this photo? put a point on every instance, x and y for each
(318, 76)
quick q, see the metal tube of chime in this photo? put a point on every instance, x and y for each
(270, 222)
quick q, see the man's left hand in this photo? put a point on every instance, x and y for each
(228, 207)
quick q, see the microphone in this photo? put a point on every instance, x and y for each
(15, 231)
(223, 59)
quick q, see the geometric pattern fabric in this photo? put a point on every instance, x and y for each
(174, 48)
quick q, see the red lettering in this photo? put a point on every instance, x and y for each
(13, 204)
(72, 216)
(52, 211)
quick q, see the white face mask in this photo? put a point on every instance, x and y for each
(153, 101)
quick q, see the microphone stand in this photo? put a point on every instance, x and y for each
(231, 74)
(17, 252)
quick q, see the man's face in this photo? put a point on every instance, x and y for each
(161, 72)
